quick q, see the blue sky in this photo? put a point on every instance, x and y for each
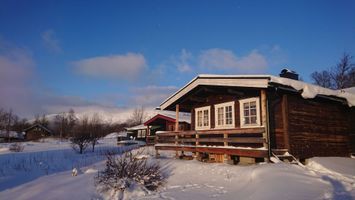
(116, 55)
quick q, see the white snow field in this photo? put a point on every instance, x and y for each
(321, 178)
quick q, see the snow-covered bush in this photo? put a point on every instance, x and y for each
(16, 147)
(127, 171)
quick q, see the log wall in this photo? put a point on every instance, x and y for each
(319, 127)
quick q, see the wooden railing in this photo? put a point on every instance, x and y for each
(241, 141)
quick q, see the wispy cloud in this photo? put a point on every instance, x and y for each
(182, 62)
(50, 41)
(227, 60)
(16, 73)
(127, 66)
(151, 95)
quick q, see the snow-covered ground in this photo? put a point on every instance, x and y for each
(321, 178)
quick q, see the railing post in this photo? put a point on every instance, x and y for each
(225, 143)
(177, 127)
(197, 136)
(176, 144)
(264, 121)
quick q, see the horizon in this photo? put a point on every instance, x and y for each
(114, 56)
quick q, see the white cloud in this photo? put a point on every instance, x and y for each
(222, 59)
(151, 95)
(127, 66)
(182, 62)
(16, 73)
(50, 41)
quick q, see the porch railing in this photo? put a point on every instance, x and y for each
(239, 141)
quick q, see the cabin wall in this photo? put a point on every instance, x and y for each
(35, 134)
(319, 127)
(276, 126)
(217, 99)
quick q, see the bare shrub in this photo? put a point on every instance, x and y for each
(16, 147)
(124, 171)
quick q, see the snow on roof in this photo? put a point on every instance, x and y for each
(116, 135)
(257, 81)
(11, 134)
(350, 90)
(138, 127)
(183, 116)
(310, 91)
(38, 125)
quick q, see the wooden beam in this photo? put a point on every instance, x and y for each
(243, 131)
(239, 140)
(284, 106)
(254, 153)
(235, 92)
(197, 99)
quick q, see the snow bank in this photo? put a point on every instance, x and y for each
(322, 178)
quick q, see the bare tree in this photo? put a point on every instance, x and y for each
(341, 72)
(338, 77)
(96, 130)
(81, 137)
(65, 123)
(323, 79)
(138, 116)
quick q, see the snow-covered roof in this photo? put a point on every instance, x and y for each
(138, 127)
(183, 116)
(350, 90)
(11, 134)
(257, 81)
(38, 125)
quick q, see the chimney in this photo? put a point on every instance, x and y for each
(286, 73)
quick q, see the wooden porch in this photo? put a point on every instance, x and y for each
(240, 142)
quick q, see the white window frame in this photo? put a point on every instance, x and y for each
(241, 110)
(209, 118)
(224, 125)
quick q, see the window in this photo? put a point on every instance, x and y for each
(249, 112)
(224, 115)
(141, 134)
(202, 117)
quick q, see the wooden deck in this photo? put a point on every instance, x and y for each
(246, 142)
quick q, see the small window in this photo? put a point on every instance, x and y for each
(202, 118)
(249, 112)
(224, 115)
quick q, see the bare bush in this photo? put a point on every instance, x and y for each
(16, 147)
(124, 171)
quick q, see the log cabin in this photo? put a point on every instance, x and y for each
(250, 118)
(37, 131)
(138, 132)
(166, 121)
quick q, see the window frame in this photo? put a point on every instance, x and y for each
(241, 110)
(224, 105)
(209, 118)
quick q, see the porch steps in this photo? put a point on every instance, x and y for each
(282, 155)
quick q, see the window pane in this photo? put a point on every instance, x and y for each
(246, 105)
(253, 104)
(253, 120)
(229, 115)
(220, 116)
(246, 113)
(199, 118)
(253, 111)
(246, 120)
(205, 118)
